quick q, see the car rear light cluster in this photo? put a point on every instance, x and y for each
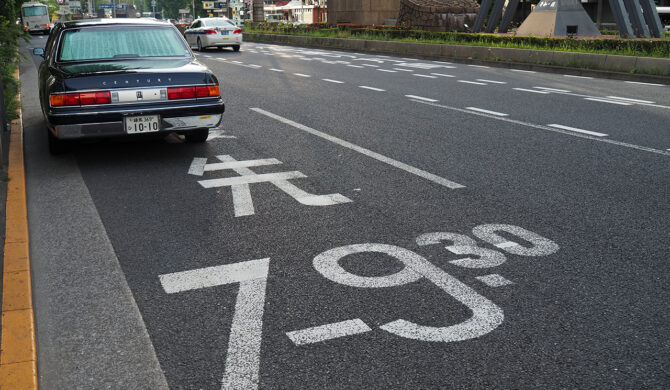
(202, 91)
(238, 31)
(80, 99)
(210, 31)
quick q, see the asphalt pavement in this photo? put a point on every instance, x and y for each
(362, 221)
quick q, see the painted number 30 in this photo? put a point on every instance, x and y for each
(243, 357)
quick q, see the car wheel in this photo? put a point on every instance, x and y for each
(56, 146)
(236, 47)
(200, 48)
(197, 136)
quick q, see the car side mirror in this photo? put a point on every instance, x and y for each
(38, 51)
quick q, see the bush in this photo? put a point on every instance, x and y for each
(9, 54)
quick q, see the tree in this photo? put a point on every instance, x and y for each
(172, 7)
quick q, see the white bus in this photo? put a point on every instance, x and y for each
(35, 17)
(664, 14)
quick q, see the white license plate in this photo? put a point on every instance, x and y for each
(142, 124)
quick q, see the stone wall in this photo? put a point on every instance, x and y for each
(438, 15)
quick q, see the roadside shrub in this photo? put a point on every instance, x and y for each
(9, 54)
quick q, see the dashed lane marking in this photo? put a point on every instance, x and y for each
(496, 113)
(641, 83)
(276, 70)
(492, 81)
(553, 89)
(404, 70)
(531, 90)
(589, 132)
(366, 152)
(481, 113)
(421, 98)
(578, 77)
(608, 101)
(355, 66)
(387, 70)
(302, 75)
(372, 88)
(442, 75)
(424, 75)
(523, 71)
(479, 66)
(371, 65)
(631, 100)
(333, 81)
(471, 82)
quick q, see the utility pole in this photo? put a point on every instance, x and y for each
(193, 5)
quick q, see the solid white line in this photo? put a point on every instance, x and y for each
(530, 90)
(442, 75)
(424, 75)
(552, 129)
(276, 70)
(421, 98)
(486, 111)
(609, 101)
(372, 88)
(631, 100)
(593, 133)
(522, 71)
(333, 81)
(366, 152)
(387, 70)
(479, 66)
(492, 81)
(328, 332)
(578, 77)
(471, 82)
(404, 70)
(641, 83)
(355, 66)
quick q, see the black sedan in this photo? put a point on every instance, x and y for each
(114, 77)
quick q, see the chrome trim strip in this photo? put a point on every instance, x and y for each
(130, 109)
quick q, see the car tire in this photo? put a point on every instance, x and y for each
(197, 136)
(236, 47)
(200, 48)
(56, 146)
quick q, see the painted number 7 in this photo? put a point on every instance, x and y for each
(244, 343)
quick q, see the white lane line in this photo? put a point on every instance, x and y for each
(394, 163)
(404, 70)
(302, 75)
(631, 100)
(494, 280)
(409, 59)
(608, 101)
(523, 71)
(589, 132)
(355, 66)
(205, 55)
(236, 62)
(471, 82)
(421, 98)
(371, 65)
(553, 89)
(254, 66)
(333, 81)
(442, 75)
(387, 70)
(641, 83)
(276, 70)
(479, 66)
(578, 77)
(372, 88)
(531, 90)
(443, 63)
(492, 81)
(328, 332)
(547, 128)
(220, 59)
(424, 75)
(496, 113)
(269, 54)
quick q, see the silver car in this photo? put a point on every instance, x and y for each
(213, 32)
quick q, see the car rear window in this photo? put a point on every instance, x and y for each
(219, 23)
(90, 44)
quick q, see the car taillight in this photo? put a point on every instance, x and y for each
(210, 31)
(238, 31)
(193, 92)
(77, 99)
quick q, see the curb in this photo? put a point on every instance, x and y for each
(18, 358)
(584, 64)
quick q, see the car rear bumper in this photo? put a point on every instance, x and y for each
(217, 40)
(110, 123)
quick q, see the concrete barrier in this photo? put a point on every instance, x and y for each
(613, 66)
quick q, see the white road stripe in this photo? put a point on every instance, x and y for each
(328, 332)
(302, 75)
(333, 81)
(553, 89)
(276, 70)
(492, 81)
(609, 101)
(366, 152)
(578, 77)
(531, 90)
(372, 88)
(355, 66)
(494, 280)
(421, 98)
(404, 70)
(471, 82)
(486, 111)
(547, 128)
(479, 66)
(236, 62)
(593, 133)
(442, 75)
(641, 83)
(254, 66)
(387, 70)
(371, 65)
(630, 100)
(523, 71)
(424, 75)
